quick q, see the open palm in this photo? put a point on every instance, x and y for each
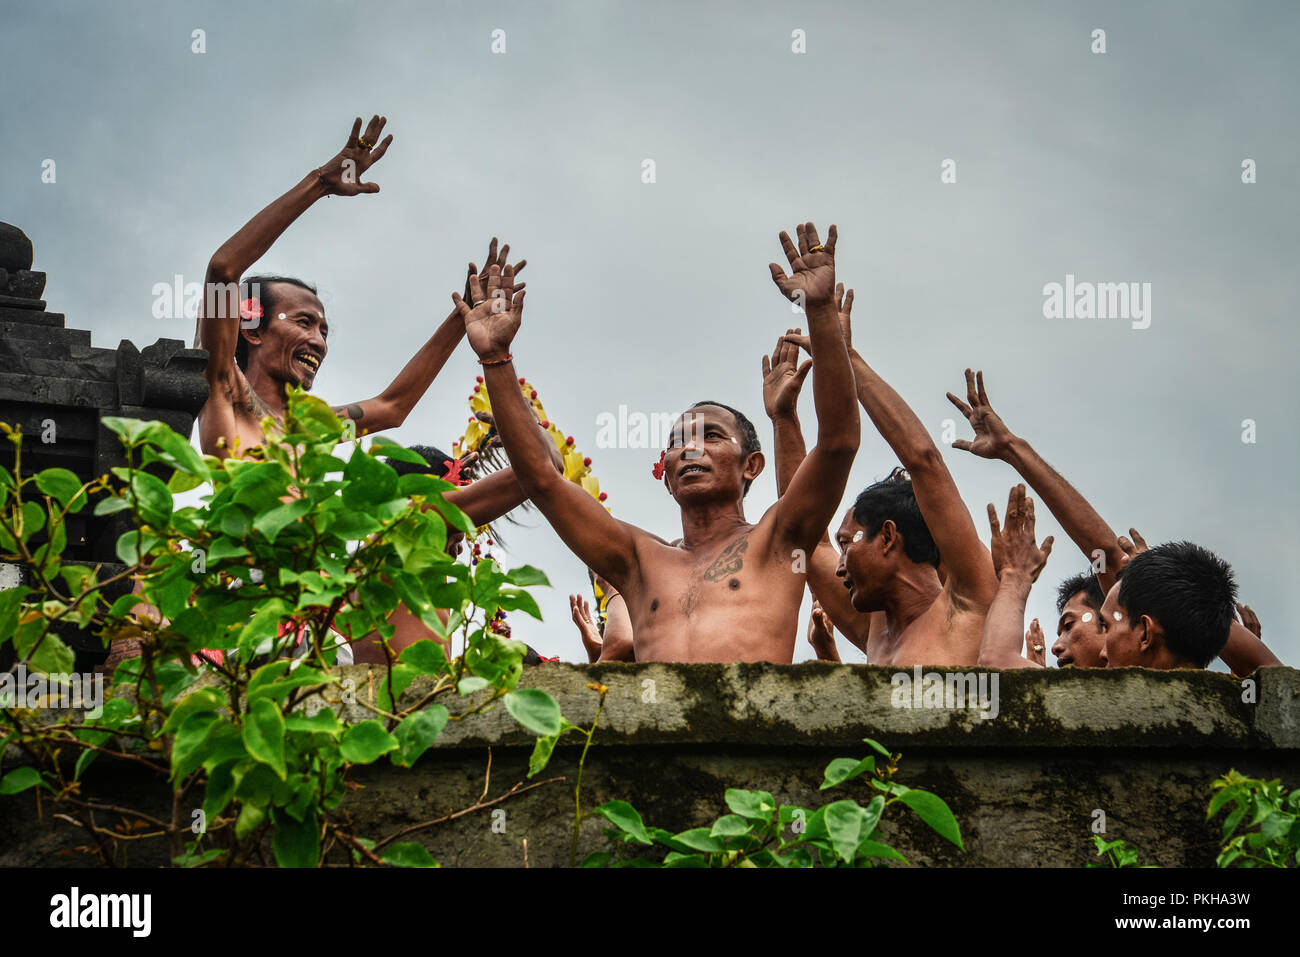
(812, 266)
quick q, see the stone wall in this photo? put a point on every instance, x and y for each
(1141, 746)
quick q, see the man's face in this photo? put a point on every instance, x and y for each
(1122, 637)
(291, 343)
(862, 566)
(704, 457)
(1078, 635)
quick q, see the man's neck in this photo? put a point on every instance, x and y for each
(911, 593)
(705, 523)
(269, 391)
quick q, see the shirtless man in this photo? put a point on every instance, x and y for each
(280, 330)
(891, 541)
(729, 590)
(1243, 652)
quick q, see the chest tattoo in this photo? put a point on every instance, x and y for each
(729, 562)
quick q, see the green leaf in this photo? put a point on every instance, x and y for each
(323, 721)
(845, 769)
(366, 742)
(527, 575)
(272, 522)
(134, 546)
(934, 812)
(535, 710)
(109, 506)
(296, 843)
(63, 486)
(367, 481)
(755, 805)
(596, 859)
(219, 792)
(250, 818)
(152, 498)
(876, 849)
(409, 854)
(698, 838)
(731, 825)
(514, 599)
(187, 748)
(844, 824)
(878, 748)
(541, 755)
(386, 448)
(417, 732)
(264, 735)
(425, 656)
(626, 818)
(205, 699)
(53, 656)
(19, 780)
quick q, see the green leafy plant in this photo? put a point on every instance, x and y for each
(292, 547)
(754, 834)
(1265, 806)
(1116, 853)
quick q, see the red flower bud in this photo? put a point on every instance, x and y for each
(478, 388)
(523, 381)
(587, 461)
(533, 394)
(603, 496)
(546, 424)
(569, 440)
(478, 378)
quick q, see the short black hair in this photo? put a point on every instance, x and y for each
(1189, 590)
(266, 298)
(1085, 582)
(436, 458)
(749, 443)
(893, 499)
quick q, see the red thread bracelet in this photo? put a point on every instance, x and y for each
(497, 362)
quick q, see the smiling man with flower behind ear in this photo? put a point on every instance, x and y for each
(264, 333)
(728, 590)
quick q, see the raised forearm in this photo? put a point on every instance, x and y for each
(1004, 625)
(838, 428)
(789, 449)
(1081, 522)
(892, 417)
(489, 498)
(241, 250)
(1244, 653)
(525, 443)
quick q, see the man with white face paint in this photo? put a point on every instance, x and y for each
(1243, 651)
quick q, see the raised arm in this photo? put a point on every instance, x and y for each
(815, 490)
(993, 440)
(218, 329)
(389, 409)
(1018, 562)
(603, 543)
(965, 559)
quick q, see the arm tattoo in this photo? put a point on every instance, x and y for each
(729, 562)
(354, 411)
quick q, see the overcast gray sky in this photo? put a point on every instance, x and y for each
(1117, 167)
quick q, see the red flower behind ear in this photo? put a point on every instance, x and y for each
(452, 474)
(250, 309)
(658, 470)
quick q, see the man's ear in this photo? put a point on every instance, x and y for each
(754, 465)
(890, 537)
(252, 336)
(1152, 637)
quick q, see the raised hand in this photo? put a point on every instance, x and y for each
(494, 316)
(1250, 620)
(1013, 545)
(1036, 644)
(992, 437)
(783, 377)
(812, 266)
(494, 258)
(1131, 548)
(341, 176)
(821, 634)
(590, 635)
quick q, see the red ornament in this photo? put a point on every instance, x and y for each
(569, 440)
(478, 388)
(603, 496)
(545, 424)
(250, 309)
(658, 470)
(587, 461)
(533, 394)
(523, 381)
(478, 378)
(452, 474)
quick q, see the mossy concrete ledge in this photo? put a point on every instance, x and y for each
(1030, 762)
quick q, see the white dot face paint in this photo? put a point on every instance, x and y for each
(1087, 617)
(858, 535)
(283, 316)
(1118, 616)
